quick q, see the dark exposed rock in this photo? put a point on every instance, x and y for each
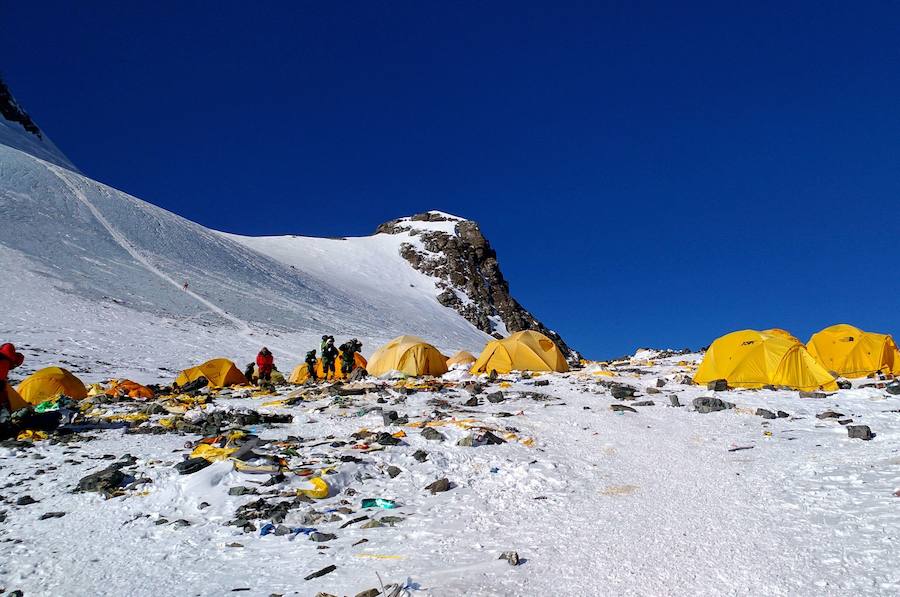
(47, 515)
(465, 265)
(473, 401)
(622, 392)
(439, 486)
(369, 593)
(321, 537)
(393, 471)
(386, 439)
(105, 481)
(192, 465)
(859, 432)
(420, 455)
(709, 405)
(495, 397)
(433, 434)
(718, 385)
(10, 110)
(511, 557)
(673, 400)
(26, 500)
(322, 572)
(765, 414)
(782, 415)
(829, 414)
(844, 384)
(643, 403)
(241, 490)
(621, 408)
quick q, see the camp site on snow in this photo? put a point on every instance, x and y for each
(256, 338)
(357, 462)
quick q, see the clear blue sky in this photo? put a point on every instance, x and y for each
(649, 175)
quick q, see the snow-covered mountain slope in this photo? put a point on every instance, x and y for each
(77, 246)
(104, 282)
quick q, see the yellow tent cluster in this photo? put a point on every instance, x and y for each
(410, 355)
(219, 373)
(851, 352)
(300, 373)
(522, 351)
(753, 359)
(51, 382)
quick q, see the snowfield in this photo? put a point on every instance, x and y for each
(662, 501)
(99, 276)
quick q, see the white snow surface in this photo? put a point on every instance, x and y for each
(99, 274)
(647, 503)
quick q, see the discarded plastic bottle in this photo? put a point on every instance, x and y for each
(379, 503)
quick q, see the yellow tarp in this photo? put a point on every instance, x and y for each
(301, 373)
(522, 351)
(49, 383)
(212, 453)
(463, 357)
(851, 352)
(129, 388)
(219, 372)
(410, 355)
(753, 359)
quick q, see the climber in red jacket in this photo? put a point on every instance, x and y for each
(9, 359)
(265, 362)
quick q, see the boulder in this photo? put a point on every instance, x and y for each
(511, 557)
(622, 392)
(433, 435)
(859, 432)
(105, 481)
(709, 405)
(621, 408)
(718, 385)
(439, 486)
(765, 414)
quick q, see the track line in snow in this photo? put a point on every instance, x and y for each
(244, 328)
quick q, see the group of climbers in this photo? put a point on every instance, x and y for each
(262, 369)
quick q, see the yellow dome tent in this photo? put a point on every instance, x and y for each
(753, 359)
(463, 357)
(781, 332)
(410, 355)
(219, 372)
(15, 400)
(851, 352)
(522, 351)
(300, 373)
(50, 382)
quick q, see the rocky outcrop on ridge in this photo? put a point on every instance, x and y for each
(468, 273)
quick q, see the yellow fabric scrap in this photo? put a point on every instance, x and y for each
(212, 453)
(31, 436)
